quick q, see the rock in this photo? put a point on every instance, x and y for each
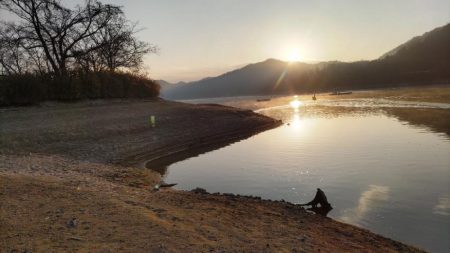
(230, 195)
(199, 190)
(72, 223)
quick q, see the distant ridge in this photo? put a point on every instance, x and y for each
(422, 60)
(425, 39)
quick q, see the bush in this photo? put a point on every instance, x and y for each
(29, 89)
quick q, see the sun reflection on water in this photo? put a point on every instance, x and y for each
(296, 122)
(295, 103)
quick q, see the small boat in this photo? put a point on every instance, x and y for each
(262, 99)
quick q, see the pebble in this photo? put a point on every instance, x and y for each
(72, 223)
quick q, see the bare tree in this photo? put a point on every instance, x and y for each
(61, 33)
(119, 47)
(11, 55)
(14, 58)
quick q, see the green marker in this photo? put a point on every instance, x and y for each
(153, 121)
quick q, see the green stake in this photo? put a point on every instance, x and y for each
(153, 121)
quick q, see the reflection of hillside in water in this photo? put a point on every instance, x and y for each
(437, 120)
(435, 116)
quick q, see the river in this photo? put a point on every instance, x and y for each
(378, 172)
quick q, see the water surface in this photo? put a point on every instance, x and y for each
(378, 172)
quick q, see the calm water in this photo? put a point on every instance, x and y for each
(378, 173)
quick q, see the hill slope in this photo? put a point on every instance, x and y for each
(422, 60)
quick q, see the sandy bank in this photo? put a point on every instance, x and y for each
(65, 161)
(120, 132)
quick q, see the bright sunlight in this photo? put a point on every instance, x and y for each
(295, 103)
(294, 55)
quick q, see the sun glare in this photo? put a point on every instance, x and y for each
(295, 103)
(294, 55)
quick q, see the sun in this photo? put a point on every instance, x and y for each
(294, 55)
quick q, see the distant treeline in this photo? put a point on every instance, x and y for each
(51, 52)
(29, 88)
(422, 60)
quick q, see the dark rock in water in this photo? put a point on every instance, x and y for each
(199, 190)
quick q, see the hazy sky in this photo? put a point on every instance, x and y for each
(200, 38)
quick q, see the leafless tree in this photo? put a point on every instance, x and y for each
(16, 57)
(120, 47)
(62, 34)
(11, 54)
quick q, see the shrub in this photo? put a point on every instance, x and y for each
(26, 89)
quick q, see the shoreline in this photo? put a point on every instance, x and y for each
(52, 170)
(207, 144)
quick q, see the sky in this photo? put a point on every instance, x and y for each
(201, 38)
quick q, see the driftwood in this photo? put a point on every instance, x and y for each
(162, 185)
(166, 185)
(319, 199)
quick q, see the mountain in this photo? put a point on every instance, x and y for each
(437, 38)
(253, 79)
(163, 83)
(168, 86)
(428, 54)
(422, 60)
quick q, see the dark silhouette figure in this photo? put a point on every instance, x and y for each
(320, 198)
(314, 97)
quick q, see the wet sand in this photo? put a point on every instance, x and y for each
(72, 180)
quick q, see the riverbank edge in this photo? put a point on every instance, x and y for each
(169, 154)
(172, 154)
